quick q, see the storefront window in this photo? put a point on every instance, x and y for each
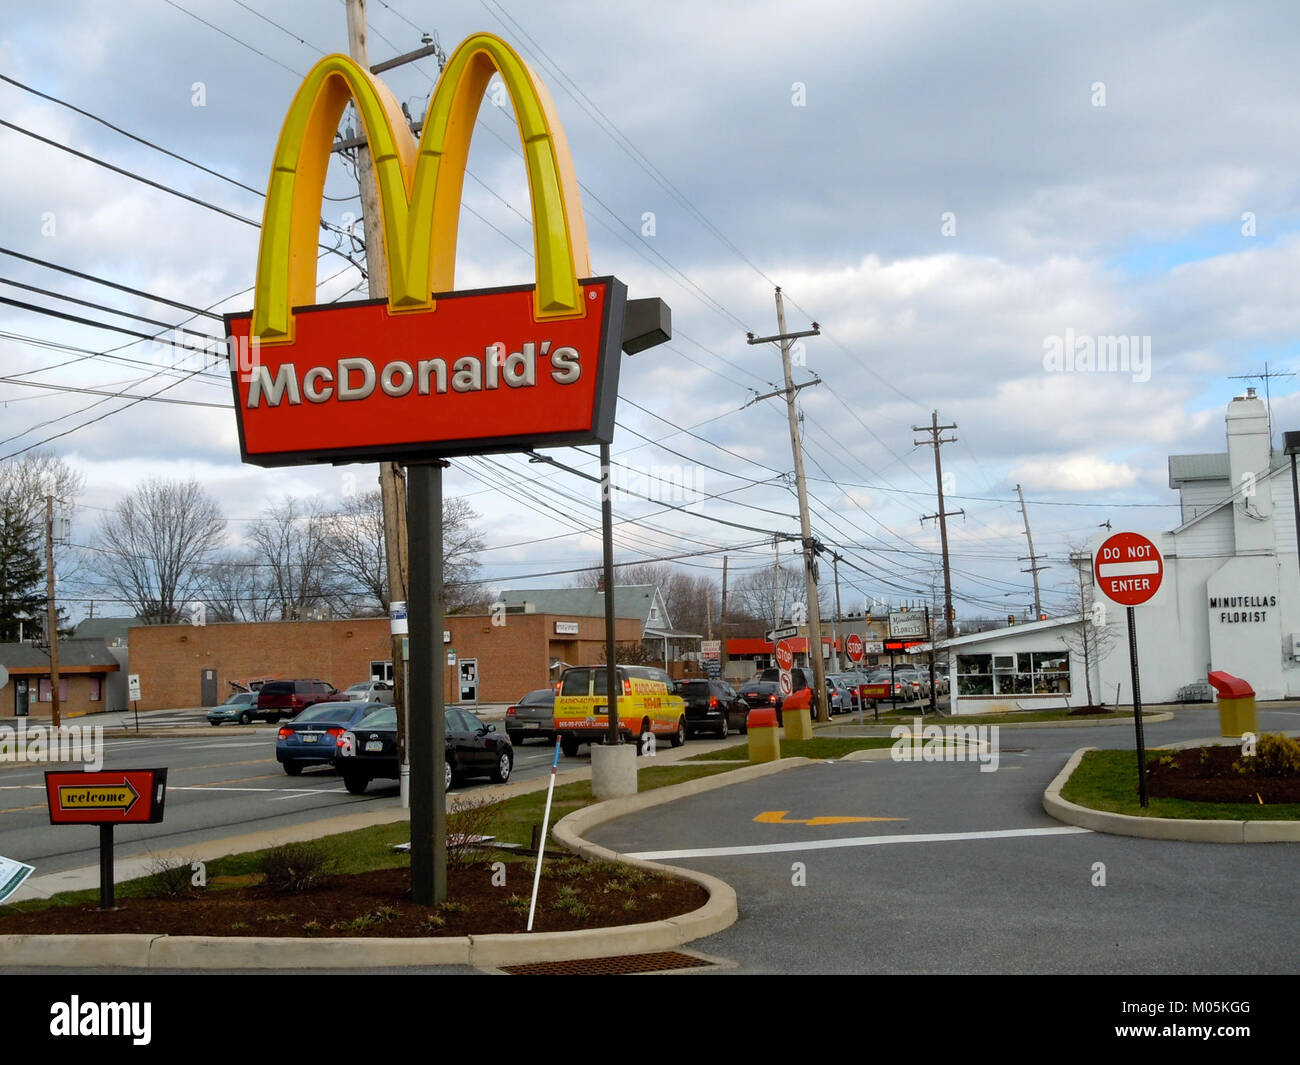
(1023, 673)
(96, 688)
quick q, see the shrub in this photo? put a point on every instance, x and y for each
(470, 817)
(293, 867)
(1276, 756)
(169, 878)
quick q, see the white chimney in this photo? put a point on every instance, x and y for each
(1248, 465)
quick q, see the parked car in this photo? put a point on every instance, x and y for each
(533, 715)
(313, 737)
(287, 698)
(239, 707)
(371, 691)
(846, 685)
(713, 706)
(474, 749)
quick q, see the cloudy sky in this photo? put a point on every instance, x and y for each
(949, 189)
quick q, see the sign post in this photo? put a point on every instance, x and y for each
(1129, 569)
(106, 799)
(133, 690)
(785, 661)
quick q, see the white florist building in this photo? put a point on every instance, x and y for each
(1229, 599)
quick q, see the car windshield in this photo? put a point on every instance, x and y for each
(540, 697)
(379, 720)
(693, 687)
(358, 687)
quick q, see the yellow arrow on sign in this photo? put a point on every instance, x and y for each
(90, 797)
(777, 817)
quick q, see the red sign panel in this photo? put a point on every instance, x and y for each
(119, 797)
(1128, 568)
(476, 374)
(854, 646)
(874, 691)
(784, 655)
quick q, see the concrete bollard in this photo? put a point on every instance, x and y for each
(764, 736)
(796, 715)
(1237, 714)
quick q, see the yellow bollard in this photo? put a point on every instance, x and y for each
(764, 736)
(1237, 714)
(796, 715)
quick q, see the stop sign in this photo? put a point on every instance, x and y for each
(784, 655)
(1128, 568)
(854, 646)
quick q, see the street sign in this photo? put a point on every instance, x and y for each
(786, 682)
(133, 686)
(119, 797)
(784, 655)
(873, 647)
(1128, 568)
(106, 799)
(854, 647)
(773, 635)
(907, 623)
(711, 658)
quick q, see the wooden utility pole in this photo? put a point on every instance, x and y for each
(52, 614)
(392, 484)
(935, 429)
(722, 621)
(821, 711)
(1034, 567)
(835, 626)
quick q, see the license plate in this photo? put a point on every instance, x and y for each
(375, 745)
(531, 724)
(309, 737)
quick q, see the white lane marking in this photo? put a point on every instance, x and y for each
(204, 787)
(225, 746)
(1127, 569)
(299, 794)
(856, 841)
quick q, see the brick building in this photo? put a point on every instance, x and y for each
(84, 669)
(186, 665)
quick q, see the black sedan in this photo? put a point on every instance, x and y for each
(713, 706)
(474, 749)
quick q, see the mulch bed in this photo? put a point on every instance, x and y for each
(1209, 777)
(378, 904)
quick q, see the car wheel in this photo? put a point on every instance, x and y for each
(502, 771)
(679, 737)
(725, 731)
(245, 718)
(214, 724)
(641, 740)
(355, 783)
(294, 769)
(569, 745)
(446, 776)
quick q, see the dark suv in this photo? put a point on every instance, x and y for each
(285, 698)
(713, 706)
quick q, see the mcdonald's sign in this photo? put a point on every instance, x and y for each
(429, 371)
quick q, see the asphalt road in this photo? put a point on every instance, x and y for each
(879, 897)
(219, 783)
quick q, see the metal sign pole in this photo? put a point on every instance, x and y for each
(607, 538)
(1137, 708)
(106, 867)
(427, 706)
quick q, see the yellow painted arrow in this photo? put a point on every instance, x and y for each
(777, 817)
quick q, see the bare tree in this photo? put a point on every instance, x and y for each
(25, 481)
(355, 537)
(155, 546)
(290, 540)
(1094, 634)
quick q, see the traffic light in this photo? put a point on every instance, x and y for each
(1011, 619)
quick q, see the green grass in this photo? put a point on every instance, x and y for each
(817, 747)
(365, 849)
(1107, 780)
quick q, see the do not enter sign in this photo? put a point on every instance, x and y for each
(1129, 569)
(854, 646)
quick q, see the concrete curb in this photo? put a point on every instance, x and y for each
(149, 951)
(1186, 829)
(974, 719)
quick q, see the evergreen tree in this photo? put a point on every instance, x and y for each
(22, 573)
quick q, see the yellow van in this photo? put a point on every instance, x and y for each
(646, 706)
